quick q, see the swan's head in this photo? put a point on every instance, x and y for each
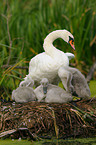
(68, 37)
(64, 34)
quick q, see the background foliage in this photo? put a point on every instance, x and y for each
(25, 23)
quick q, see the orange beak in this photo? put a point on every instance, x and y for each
(72, 44)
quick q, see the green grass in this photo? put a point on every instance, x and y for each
(92, 86)
(30, 21)
(14, 142)
(89, 141)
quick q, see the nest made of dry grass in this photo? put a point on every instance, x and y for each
(43, 119)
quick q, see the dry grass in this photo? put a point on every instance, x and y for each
(60, 120)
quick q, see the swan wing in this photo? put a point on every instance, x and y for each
(41, 66)
(70, 55)
(40, 62)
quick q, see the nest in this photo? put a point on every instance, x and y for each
(47, 120)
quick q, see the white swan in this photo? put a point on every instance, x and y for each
(51, 93)
(46, 64)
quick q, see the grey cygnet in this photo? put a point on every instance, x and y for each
(75, 81)
(51, 93)
(24, 93)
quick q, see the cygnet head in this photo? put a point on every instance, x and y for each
(27, 83)
(44, 83)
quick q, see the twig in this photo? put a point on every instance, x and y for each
(91, 72)
(17, 67)
(55, 124)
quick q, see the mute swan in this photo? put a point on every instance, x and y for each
(24, 93)
(51, 93)
(46, 64)
(75, 81)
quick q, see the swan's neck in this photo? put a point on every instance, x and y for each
(48, 41)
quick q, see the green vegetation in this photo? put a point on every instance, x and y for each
(82, 141)
(92, 86)
(24, 25)
(14, 142)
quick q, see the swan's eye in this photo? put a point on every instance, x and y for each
(71, 42)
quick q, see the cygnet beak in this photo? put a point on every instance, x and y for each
(45, 90)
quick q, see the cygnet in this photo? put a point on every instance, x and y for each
(75, 81)
(27, 83)
(51, 93)
(24, 93)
